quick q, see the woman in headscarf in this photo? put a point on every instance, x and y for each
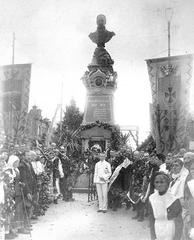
(188, 231)
(179, 175)
(19, 216)
(165, 211)
(10, 173)
(188, 158)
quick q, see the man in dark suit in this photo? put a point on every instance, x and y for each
(28, 178)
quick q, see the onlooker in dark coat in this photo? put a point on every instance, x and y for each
(28, 177)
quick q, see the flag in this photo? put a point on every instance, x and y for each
(14, 92)
(170, 80)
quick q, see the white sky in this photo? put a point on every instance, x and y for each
(53, 35)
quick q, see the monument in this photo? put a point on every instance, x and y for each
(100, 83)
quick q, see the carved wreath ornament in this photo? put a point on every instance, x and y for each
(167, 69)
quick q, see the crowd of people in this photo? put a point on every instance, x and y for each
(31, 179)
(153, 185)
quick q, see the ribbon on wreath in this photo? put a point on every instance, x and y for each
(115, 174)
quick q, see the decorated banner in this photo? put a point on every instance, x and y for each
(14, 93)
(170, 80)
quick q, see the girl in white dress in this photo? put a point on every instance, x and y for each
(165, 211)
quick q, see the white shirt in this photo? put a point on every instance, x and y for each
(38, 167)
(102, 170)
(163, 168)
(177, 189)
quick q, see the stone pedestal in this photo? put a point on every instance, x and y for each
(100, 84)
(100, 96)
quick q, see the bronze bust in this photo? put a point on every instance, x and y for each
(101, 35)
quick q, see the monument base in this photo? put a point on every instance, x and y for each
(95, 135)
(82, 183)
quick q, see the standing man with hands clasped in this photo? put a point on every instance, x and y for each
(102, 174)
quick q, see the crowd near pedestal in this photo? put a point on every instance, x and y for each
(151, 184)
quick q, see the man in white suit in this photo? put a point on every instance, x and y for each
(102, 174)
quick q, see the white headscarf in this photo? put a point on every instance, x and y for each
(190, 155)
(10, 165)
(177, 189)
(12, 159)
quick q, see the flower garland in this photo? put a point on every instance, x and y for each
(115, 132)
(8, 207)
(45, 195)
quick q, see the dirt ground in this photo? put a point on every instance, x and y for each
(79, 220)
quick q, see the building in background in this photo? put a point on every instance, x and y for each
(37, 127)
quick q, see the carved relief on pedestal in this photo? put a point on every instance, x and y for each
(99, 79)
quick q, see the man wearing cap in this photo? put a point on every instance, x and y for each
(102, 174)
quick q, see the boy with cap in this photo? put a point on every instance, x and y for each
(102, 174)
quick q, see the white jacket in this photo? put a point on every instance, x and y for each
(102, 170)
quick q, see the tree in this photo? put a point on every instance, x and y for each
(64, 133)
(124, 138)
(73, 117)
(148, 145)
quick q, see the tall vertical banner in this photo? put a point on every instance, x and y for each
(14, 93)
(170, 80)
